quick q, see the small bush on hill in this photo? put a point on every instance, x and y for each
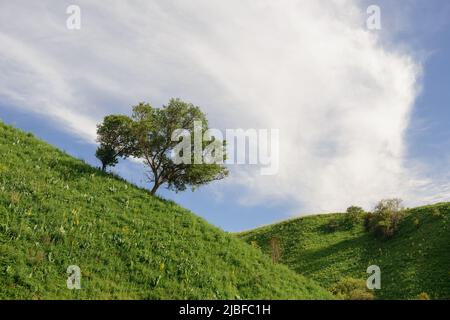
(333, 225)
(436, 213)
(385, 220)
(347, 220)
(353, 215)
(352, 289)
(423, 296)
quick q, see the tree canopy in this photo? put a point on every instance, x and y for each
(173, 142)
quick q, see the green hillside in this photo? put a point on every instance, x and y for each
(57, 211)
(414, 261)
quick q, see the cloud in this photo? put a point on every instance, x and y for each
(341, 100)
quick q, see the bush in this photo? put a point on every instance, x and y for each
(333, 225)
(352, 289)
(423, 296)
(352, 217)
(345, 221)
(436, 213)
(385, 220)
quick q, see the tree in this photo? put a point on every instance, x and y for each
(393, 205)
(386, 218)
(345, 221)
(153, 135)
(353, 215)
(115, 135)
(107, 156)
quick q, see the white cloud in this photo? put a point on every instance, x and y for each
(341, 101)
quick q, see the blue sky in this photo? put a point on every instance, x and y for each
(221, 70)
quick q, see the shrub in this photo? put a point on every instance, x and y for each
(333, 225)
(345, 221)
(352, 217)
(436, 213)
(423, 296)
(352, 289)
(385, 220)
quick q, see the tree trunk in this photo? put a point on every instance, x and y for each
(104, 167)
(155, 187)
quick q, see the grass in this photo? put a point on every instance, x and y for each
(415, 261)
(57, 211)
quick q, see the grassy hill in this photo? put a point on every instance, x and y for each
(57, 211)
(416, 260)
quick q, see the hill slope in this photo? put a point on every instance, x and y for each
(416, 260)
(56, 211)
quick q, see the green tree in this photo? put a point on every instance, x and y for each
(386, 218)
(116, 139)
(107, 156)
(154, 134)
(353, 215)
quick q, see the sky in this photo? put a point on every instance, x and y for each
(362, 114)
